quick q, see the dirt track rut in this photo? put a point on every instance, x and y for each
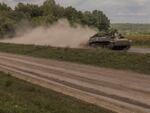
(124, 92)
(140, 50)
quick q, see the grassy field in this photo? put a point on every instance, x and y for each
(140, 40)
(97, 57)
(138, 33)
(18, 96)
(132, 29)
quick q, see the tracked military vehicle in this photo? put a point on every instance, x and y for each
(110, 40)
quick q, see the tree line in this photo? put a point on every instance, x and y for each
(46, 14)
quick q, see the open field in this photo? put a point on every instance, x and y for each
(132, 29)
(17, 96)
(138, 33)
(98, 57)
(140, 40)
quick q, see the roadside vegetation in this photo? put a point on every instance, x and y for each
(17, 96)
(97, 57)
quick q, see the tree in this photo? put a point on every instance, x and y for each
(23, 9)
(4, 7)
(47, 14)
(59, 12)
(29, 10)
(48, 7)
(7, 27)
(101, 21)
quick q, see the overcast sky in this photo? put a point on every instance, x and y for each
(119, 11)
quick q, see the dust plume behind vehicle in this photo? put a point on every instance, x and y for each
(60, 34)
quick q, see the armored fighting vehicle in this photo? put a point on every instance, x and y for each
(111, 40)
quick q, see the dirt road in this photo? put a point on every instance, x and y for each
(123, 92)
(140, 50)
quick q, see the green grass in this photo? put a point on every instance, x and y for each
(17, 96)
(132, 29)
(97, 57)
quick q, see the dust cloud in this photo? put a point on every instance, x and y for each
(60, 34)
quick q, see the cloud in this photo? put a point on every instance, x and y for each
(137, 11)
(9, 2)
(13, 3)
